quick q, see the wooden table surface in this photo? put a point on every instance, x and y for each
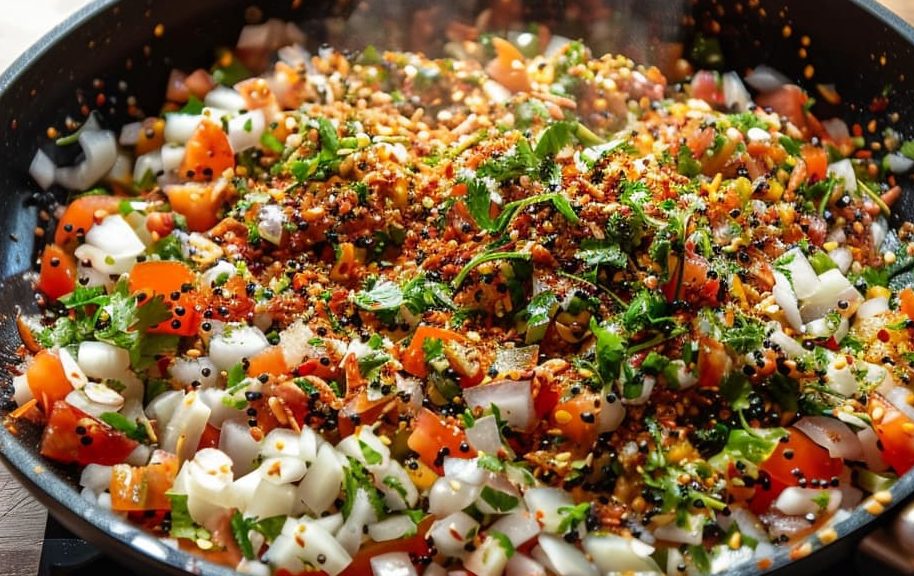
(22, 519)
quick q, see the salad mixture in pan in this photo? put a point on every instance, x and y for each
(523, 310)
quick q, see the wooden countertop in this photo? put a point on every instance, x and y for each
(22, 519)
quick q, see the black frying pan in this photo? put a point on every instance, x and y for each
(855, 44)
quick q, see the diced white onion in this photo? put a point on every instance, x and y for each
(236, 441)
(483, 435)
(100, 150)
(452, 532)
(612, 554)
(833, 288)
(844, 170)
(392, 564)
(102, 360)
(873, 307)
(270, 221)
(488, 559)
(900, 398)
(321, 485)
(544, 503)
(448, 496)
(523, 565)
(42, 169)
(71, 369)
(198, 372)
(520, 527)
(566, 558)
(795, 501)
(802, 276)
(898, 163)
(114, 235)
(271, 499)
(171, 156)
(833, 435)
(245, 130)
(765, 78)
(225, 98)
(872, 455)
(688, 534)
(235, 342)
(96, 477)
(21, 391)
(787, 300)
(391, 528)
(186, 426)
(512, 397)
(842, 258)
(736, 97)
(180, 127)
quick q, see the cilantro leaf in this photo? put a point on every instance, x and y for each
(598, 252)
(610, 351)
(132, 429)
(182, 525)
(372, 456)
(572, 516)
(538, 314)
(646, 310)
(498, 500)
(746, 334)
(554, 138)
(383, 295)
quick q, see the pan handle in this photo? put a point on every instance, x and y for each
(890, 547)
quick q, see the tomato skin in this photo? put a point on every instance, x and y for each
(58, 272)
(566, 416)
(136, 488)
(47, 379)
(807, 456)
(208, 153)
(431, 434)
(80, 216)
(906, 300)
(713, 363)
(99, 444)
(270, 361)
(690, 281)
(816, 160)
(199, 204)
(413, 358)
(705, 86)
(896, 434)
(166, 278)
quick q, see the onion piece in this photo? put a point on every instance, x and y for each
(236, 441)
(452, 532)
(512, 397)
(565, 558)
(235, 342)
(898, 163)
(840, 377)
(523, 565)
(114, 235)
(833, 435)
(833, 288)
(873, 307)
(447, 496)
(736, 97)
(42, 169)
(520, 527)
(544, 503)
(130, 134)
(484, 436)
(283, 469)
(803, 278)
(271, 499)
(391, 528)
(464, 470)
(71, 369)
(102, 360)
(689, 534)
(392, 564)
(245, 130)
(787, 300)
(795, 501)
(844, 170)
(100, 152)
(765, 78)
(302, 543)
(321, 485)
(21, 391)
(96, 477)
(180, 127)
(225, 98)
(488, 559)
(197, 372)
(900, 398)
(842, 258)
(185, 425)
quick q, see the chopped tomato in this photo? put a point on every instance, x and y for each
(713, 363)
(80, 216)
(906, 298)
(168, 278)
(569, 417)
(432, 437)
(198, 203)
(47, 379)
(691, 281)
(706, 86)
(800, 454)
(161, 223)
(270, 361)
(509, 66)
(72, 436)
(58, 272)
(896, 433)
(208, 153)
(360, 410)
(788, 101)
(323, 368)
(151, 137)
(547, 396)
(413, 358)
(209, 438)
(816, 160)
(414, 545)
(143, 487)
